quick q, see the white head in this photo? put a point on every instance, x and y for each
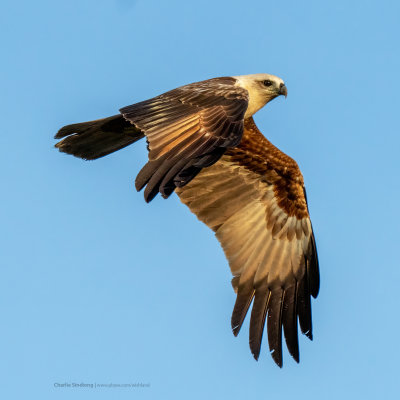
(262, 89)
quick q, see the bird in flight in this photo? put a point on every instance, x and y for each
(203, 144)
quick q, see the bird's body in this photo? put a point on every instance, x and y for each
(204, 145)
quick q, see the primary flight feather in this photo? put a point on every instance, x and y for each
(203, 144)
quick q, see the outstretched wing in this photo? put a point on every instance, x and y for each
(254, 200)
(187, 129)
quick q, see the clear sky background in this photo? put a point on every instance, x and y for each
(98, 286)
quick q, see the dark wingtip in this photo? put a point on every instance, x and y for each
(255, 348)
(65, 131)
(314, 269)
(149, 198)
(294, 352)
(242, 304)
(235, 330)
(315, 293)
(59, 134)
(138, 185)
(255, 355)
(150, 191)
(277, 357)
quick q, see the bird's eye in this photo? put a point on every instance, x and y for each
(267, 83)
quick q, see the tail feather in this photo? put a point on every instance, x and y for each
(95, 139)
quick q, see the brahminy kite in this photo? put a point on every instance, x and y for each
(203, 144)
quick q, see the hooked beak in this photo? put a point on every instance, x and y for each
(283, 90)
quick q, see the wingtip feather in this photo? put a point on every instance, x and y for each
(277, 357)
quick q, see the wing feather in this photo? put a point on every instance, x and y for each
(274, 324)
(289, 321)
(257, 319)
(245, 294)
(304, 308)
(187, 128)
(253, 198)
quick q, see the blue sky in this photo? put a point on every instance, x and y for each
(98, 286)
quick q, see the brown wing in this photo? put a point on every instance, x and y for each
(254, 200)
(187, 129)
